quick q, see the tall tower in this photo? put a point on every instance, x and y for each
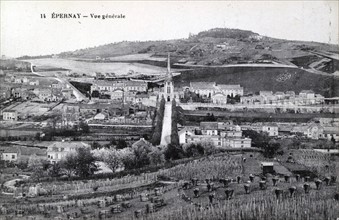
(169, 87)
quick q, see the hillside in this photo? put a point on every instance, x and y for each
(213, 47)
(255, 79)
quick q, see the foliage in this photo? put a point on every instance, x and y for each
(112, 158)
(55, 170)
(199, 149)
(156, 156)
(84, 127)
(121, 144)
(85, 165)
(96, 145)
(174, 127)
(156, 137)
(69, 164)
(263, 141)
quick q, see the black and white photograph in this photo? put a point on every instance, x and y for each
(169, 110)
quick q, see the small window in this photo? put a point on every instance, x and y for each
(13, 156)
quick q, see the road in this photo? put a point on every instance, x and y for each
(166, 125)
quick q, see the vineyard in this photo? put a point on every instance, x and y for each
(213, 187)
(317, 162)
(210, 167)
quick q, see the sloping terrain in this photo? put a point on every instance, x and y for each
(255, 79)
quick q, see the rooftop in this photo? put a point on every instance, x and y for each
(202, 85)
(224, 86)
(68, 144)
(209, 125)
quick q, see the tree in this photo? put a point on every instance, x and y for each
(38, 166)
(96, 145)
(173, 152)
(84, 127)
(128, 158)
(55, 170)
(113, 159)
(156, 137)
(174, 131)
(37, 136)
(85, 162)
(262, 140)
(121, 144)
(156, 156)
(69, 164)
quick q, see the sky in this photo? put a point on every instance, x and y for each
(24, 32)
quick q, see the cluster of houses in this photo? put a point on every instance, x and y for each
(118, 90)
(114, 113)
(305, 97)
(29, 87)
(312, 130)
(221, 134)
(218, 93)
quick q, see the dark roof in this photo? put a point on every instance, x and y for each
(12, 149)
(209, 125)
(141, 143)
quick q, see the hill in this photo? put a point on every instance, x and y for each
(214, 47)
(255, 79)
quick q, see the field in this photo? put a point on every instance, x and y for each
(223, 186)
(90, 68)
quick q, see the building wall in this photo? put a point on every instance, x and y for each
(9, 156)
(10, 116)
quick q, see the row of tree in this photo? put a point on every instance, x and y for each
(157, 127)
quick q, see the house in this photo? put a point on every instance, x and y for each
(141, 143)
(9, 154)
(315, 131)
(136, 86)
(100, 116)
(59, 150)
(231, 90)
(209, 128)
(206, 89)
(104, 87)
(271, 129)
(183, 133)
(331, 132)
(238, 143)
(117, 94)
(10, 115)
(219, 98)
(215, 139)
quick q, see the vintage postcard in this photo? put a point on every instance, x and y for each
(169, 110)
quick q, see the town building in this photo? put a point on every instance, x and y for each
(107, 87)
(141, 143)
(238, 142)
(10, 115)
(9, 154)
(219, 98)
(59, 150)
(183, 133)
(218, 93)
(314, 131)
(271, 129)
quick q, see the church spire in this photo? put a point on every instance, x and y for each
(168, 64)
(169, 73)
